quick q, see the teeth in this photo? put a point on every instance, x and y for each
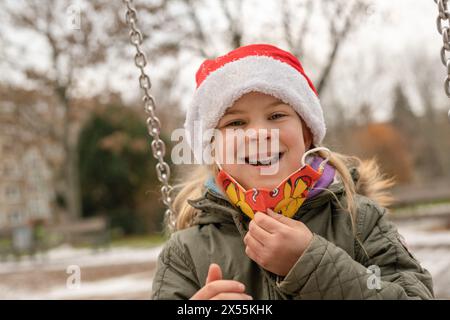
(268, 160)
(263, 161)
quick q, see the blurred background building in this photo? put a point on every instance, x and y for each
(26, 167)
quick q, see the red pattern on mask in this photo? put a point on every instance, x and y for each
(285, 199)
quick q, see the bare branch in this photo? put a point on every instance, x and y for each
(151, 7)
(357, 9)
(304, 28)
(286, 21)
(233, 23)
(199, 33)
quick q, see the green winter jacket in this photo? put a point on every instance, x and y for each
(334, 266)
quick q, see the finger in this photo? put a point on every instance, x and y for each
(280, 218)
(252, 254)
(214, 288)
(286, 220)
(214, 273)
(258, 233)
(232, 296)
(251, 242)
(266, 222)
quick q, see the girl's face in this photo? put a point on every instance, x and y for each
(257, 111)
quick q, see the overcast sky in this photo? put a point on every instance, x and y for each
(388, 43)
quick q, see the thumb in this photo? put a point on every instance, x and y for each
(279, 217)
(214, 273)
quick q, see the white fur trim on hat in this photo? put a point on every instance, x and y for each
(264, 74)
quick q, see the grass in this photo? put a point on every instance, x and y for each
(138, 241)
(4, 243)
(418, 209)
(143, 241)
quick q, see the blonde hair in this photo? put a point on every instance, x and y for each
(371, 183)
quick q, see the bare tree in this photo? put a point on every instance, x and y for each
(198, 38)
(234, 22)
(296, 40)
(340, 17)
(180, 26)
(426, 75)
(77, 39)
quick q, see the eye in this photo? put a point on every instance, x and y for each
(235, 123)
(277, 116)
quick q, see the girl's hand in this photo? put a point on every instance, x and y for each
(276, 242)
(217, 289)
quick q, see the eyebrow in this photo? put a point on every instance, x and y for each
(273, 104)
(232, 112)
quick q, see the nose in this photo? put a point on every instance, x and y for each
(257, 135)
(258, 130)
(260, 137)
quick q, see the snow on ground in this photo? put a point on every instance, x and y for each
(431, 247)
(135, 286)
(65, 255)
(116, 288)
(117, 273)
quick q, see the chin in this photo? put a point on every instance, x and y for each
(268, 182)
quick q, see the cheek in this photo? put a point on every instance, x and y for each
(234, 170)
(292, 139)
(224, 149)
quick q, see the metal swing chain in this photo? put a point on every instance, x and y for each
(444, 30)
(153, 123)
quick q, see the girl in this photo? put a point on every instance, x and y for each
(316, 229)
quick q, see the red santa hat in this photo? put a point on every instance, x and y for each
(258, 67)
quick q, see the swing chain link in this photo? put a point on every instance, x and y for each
(444, 30)
(153, 124)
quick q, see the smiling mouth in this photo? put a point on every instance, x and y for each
(263, 161)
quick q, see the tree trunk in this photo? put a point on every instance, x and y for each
(70, 170)
(72, 192)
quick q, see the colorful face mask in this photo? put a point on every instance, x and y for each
(286, 198)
